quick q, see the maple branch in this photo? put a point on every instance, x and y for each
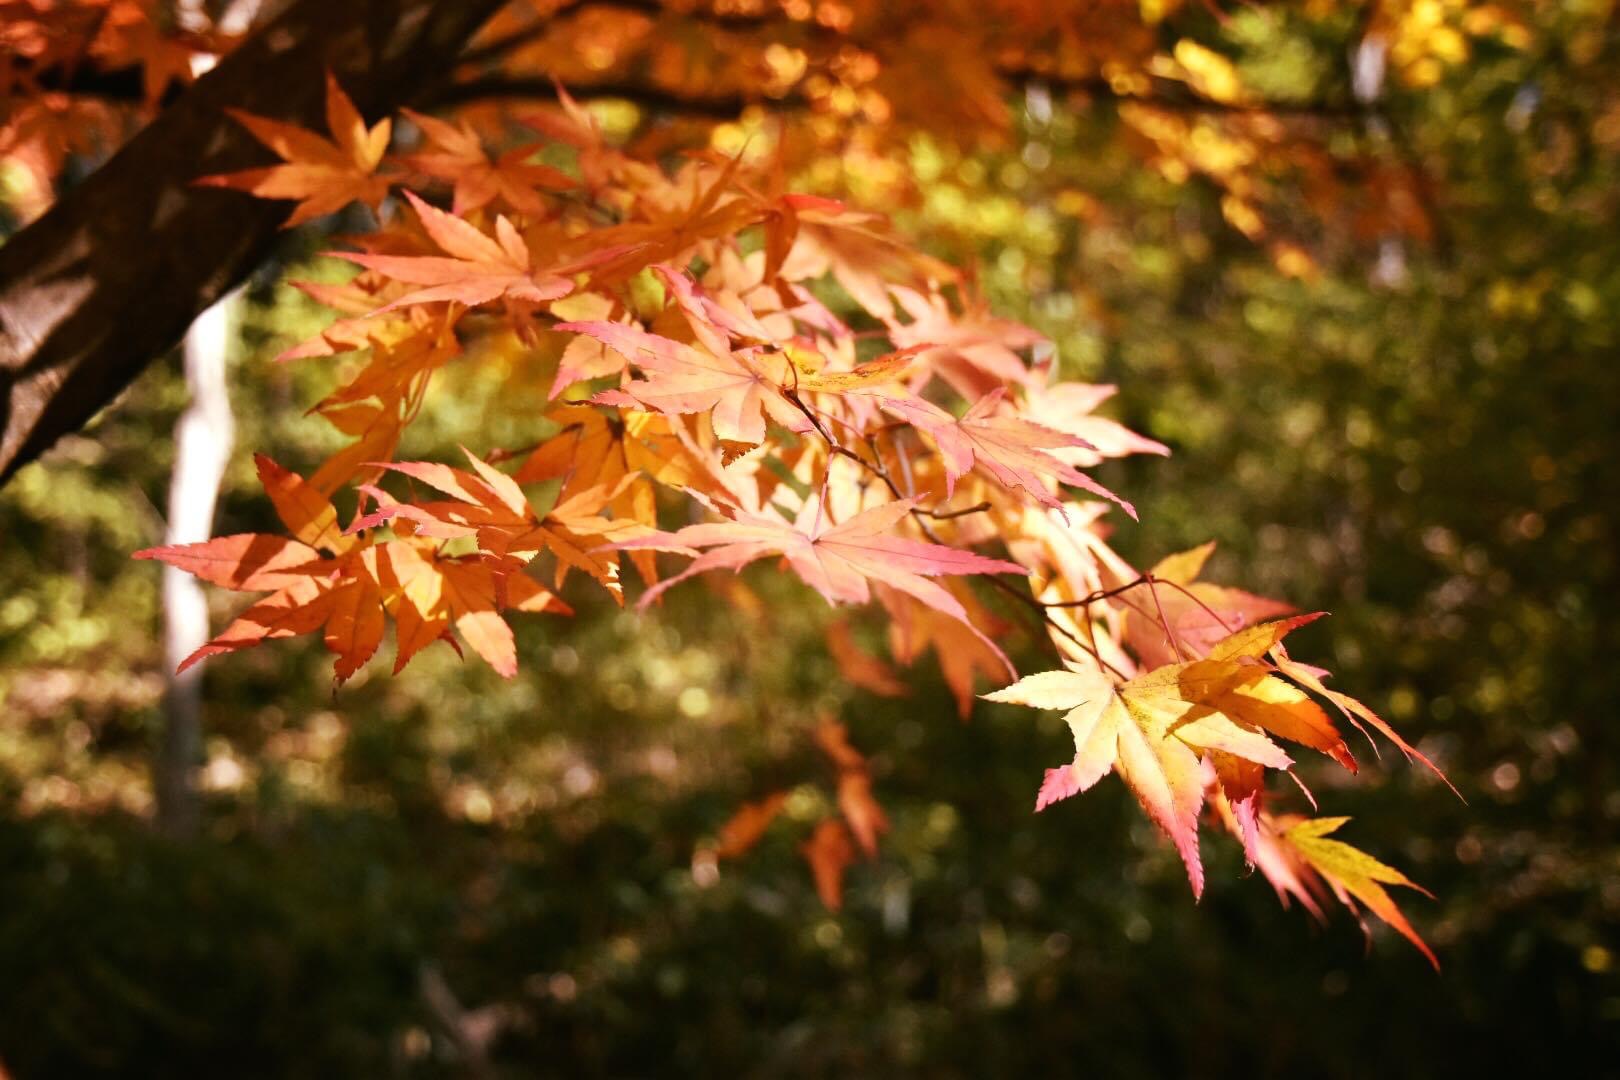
(1189, 594)
(1047, 619)
(495, 87)
(731, 20)
(1118, 592)
(110, 277)
(1174, 96)
(1145, 579)
(920, 516)
(493, 51)
(122, 84)
(1151, 581)
(947, 515)
(1169, 634)
(725, 106)
(877, 469)
(1098, 595)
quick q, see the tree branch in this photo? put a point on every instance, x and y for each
(1174, 96)
(110, 277)
(499, 87)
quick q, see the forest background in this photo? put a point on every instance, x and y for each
(1405, 422)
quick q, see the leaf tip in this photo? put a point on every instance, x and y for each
(1059, 784)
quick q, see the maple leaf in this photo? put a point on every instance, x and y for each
(490, 505)
(308, 593)
(1354, 875)
(458, 158)
(475, 269)
(737, 387)
(1353, 710)
(347, 605)
(1071, 548)
(347, 592)
(1286, 871)
(308, 590)
(852, 246)
(888, 368)
(608, 173)
(745, 827)
(1262, 644)
(1007, 447)
(325, 175)
(624, 455)
(360, 299)
(584, 358)
(428, 592)
(1158, 730)
(829, 853)
(1295, 857)
(859, 666)
(965, 650)
(597, 449)
(132, 36)
(975, 352)
(1068, 407)
(246, 562)
(375, 405)
(687, 216)
(863, 815)
(838, 561)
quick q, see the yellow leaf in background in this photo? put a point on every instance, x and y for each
(1210, 73)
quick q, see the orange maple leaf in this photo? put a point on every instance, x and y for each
(458, 158)
(745, 827)
(492, 507)
(475, 269)
(738, 385)
(1009, 448)
(838, 561)
(1161, 730)
(975, 352)
(863, 815)
(325, 175)
(859, 666)
(829, 853)
(347, 591)
(965, 650)
(1354, 875)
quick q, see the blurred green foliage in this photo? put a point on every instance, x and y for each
(1419, 438)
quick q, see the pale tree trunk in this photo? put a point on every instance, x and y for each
(202, 446)
(1369, 61)
(469, 1033)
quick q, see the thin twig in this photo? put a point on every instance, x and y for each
(1169, 634)
(947, 515)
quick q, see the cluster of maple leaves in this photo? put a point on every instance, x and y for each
(862, 77)
(702, 372)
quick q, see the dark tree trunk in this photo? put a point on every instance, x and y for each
(110, 277)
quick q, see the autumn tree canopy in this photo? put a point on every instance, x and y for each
(655, 222)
